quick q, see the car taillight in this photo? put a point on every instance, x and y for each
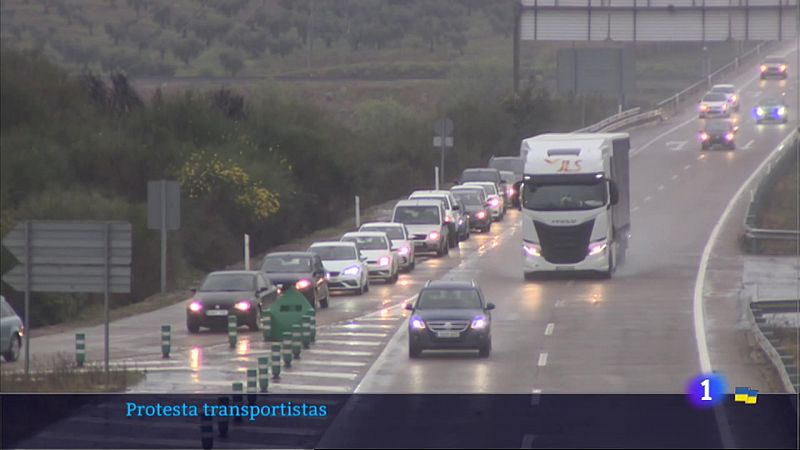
(195, 306)
(302, 284)
(243, 305)
(783, 67)
(447, 219)
(763, 68)
(433, 236)
(729, 136)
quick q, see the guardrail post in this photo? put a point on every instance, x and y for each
(276, 360)
(166, 339)
(263, 373)
(206, 431)
(296, 340)
(80, 349)
(232, 330)
(222, 421)
(306, 332)
(313, 327)
(287, 348)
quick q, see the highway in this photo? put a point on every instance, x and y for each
(634, 333)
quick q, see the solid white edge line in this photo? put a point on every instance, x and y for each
(699, 285)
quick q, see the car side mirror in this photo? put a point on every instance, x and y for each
(363, 258)
(409, 306)
(489, 306)
(613, 191)
(456, 207)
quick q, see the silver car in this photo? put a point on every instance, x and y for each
(11, 331)
(401, 242)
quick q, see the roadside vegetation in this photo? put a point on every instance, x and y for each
(780, 209)
(270, 165)
(60, 374)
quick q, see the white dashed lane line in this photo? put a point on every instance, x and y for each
(549, 329)
(542, 359)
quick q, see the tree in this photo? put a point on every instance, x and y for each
(228, 7)
(187, 49)
(162, 15)
(211, 28)
(232, 61)
(255, 43)
(116, 32)
(181, 24)
(501, 16)
(284, 45)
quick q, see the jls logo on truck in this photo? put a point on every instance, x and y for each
(567, 165)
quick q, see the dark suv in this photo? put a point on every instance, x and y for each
(718, 132)
(450, 315)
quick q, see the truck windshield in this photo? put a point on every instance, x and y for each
(564, 197)
(479, 175)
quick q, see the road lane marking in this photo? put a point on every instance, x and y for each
(357, 325)
(542, 359)
(310, 388)
(674, 177)
(700, 280)
(748, 145)
(321, 351)
(334, 363)
(549, 329)
(676, 146)
(536, 395)
(658, 138)
(635, 208)
(350, 343)
(337, 375)
(648, 198)
(355, 334)
(559, 303)
(687, 167)
(660, 187)
(701, 157)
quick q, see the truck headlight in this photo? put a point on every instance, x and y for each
(595, 248)
(532, 249)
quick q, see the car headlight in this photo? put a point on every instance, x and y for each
(384, 261)
(596, 248)
(352, 270)
(480, 214)
(494, 202)
(703, 107)
(479, 323)
(729, 136)
(532, 249)
(763, 68)
(242, 305)
(302, 284)
(783, 67)
(433, 236)
(195, 306)
(733, 98)
(703, 136)
(759, 111)
(781, 111)
(416, 323)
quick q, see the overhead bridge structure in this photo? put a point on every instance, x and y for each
(658, 20)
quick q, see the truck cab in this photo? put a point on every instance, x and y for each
(575, 202)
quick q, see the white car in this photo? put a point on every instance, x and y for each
(730, 92)
(401, 242)
(494, 199)
(346, 268)
(425, 221)
(382, 261)
(714, 104)
(457, 221)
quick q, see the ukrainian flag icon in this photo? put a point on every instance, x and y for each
(746, 395)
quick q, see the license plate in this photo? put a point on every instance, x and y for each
(217, 312)
(447, 334)
(565, 268)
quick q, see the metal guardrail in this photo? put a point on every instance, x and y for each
(675, 100)
(785, 363)
(753, 235)
(594, 128)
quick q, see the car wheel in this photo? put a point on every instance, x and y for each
(414, 351)
(529, 276)
(13, 349)
(704, 147)
(413, 263)
(366, 285)
(446, 249)
(253, 324)
(193, 328)
(394, 278)
(485, 349)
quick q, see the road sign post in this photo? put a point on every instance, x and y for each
(246, 251)
(443, 137)
(163, 213)
(70, 257)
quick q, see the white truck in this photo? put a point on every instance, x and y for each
(575, 202)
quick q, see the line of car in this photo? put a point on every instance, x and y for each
(722, 100)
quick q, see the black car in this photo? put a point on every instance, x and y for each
(474, 201)
(303, 270)
(450, 315)
(774, 66)
(243, 293)
(771, 111)
(718, 132)
(486, 174)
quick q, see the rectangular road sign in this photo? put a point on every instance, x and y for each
(71, 243)
(437, 141)
(74, 279)
(172, 204)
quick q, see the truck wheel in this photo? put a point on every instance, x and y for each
(611, 265)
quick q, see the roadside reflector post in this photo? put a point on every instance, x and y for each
(166, 339)
(80, 349)
(306, 332)
(297, 345)
(237, 399)
(266, 324)
(232, 329)
(287, 348)
(222, 420)
(276, 360)
(263, 373)
(206, 432)
(313, 326)
(252, 386)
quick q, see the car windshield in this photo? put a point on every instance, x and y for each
(479, 175)
(440, 198)
(771, 102)
(718, 127)
(228, 282)
(773, 60)
(335, 253)
(515, 165)
(489, 189)
(368, 242)
(564, 197)
(392, 232)
(507, 177)
(286, 264)
(416, 215)
(714, 97)
(468, 198)
(723, 89)
(432, 298)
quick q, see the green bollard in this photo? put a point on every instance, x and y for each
(206, 432)
(80, 349)
(276, 361)
(232, 330)
(252, 386)
(266, 324)
(313, 328)
(237, 399)
(306, 333)
(166, 339)
(222, 421)
(287, 348)
(263, 373)
(297, 345)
